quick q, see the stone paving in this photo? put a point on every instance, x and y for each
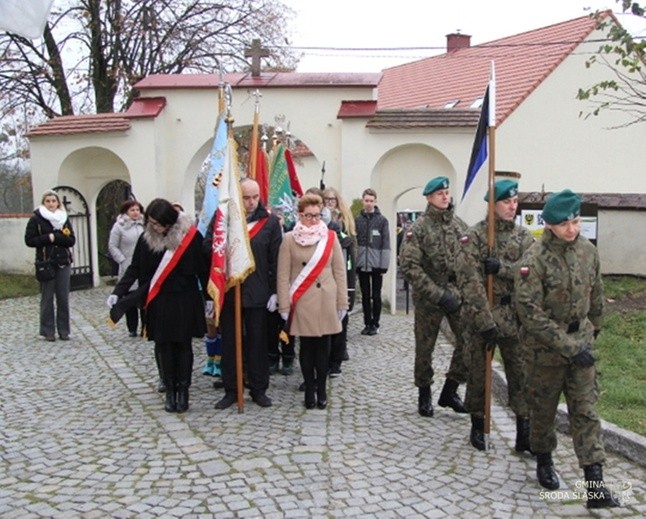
(84, 434)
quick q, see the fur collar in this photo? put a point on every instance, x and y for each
(126, 222)
(172, 238)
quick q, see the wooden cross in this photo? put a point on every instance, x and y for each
(255, 52)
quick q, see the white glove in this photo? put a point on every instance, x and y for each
(342, 314)
(209, 307)
(284, 316)
(272, 304)
(112, 300)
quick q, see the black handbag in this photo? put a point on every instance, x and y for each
(45, 268)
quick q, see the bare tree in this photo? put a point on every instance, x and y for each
(94, 51)
(624, 57)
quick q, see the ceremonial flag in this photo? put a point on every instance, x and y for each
(295, 184)
(262, 174)
(280, 189)
(215, 166)
(479, 151)
(24, 17)
(231, 256)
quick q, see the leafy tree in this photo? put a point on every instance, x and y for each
(93, 51)
(625, 57)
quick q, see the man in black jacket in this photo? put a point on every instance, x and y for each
(258, 296)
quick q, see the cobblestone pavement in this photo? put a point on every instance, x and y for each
(84, 434)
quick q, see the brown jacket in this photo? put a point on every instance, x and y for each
(316, 312)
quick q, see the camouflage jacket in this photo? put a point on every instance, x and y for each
(428, 251)
(558, 290)
(511, 241)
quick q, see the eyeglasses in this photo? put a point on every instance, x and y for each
(330, 198)
(310, 216)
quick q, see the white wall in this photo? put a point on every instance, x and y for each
(16, 257)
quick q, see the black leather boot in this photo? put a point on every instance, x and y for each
(424, 406)
(449, 397)
(477, 433)
(182, 397)
(522, 435)
(597, 493)
(545, 471)
(171, 398)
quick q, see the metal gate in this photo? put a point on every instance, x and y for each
(77, 211)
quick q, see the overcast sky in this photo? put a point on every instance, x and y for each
(414, 23)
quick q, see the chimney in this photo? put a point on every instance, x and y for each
(457, 41)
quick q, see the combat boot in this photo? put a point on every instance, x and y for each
(545, 471)
(274, 367)
(597, 493)
(182, 397)
(522, 435)
(449, 397)
(424, 406)
(477, 433)
(288, 367)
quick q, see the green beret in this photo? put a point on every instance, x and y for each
(436, 184)
(561, 207)
(503, 189)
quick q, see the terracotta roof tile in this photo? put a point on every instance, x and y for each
(74, 124)
(608, 201)
(350, 109)
(426, 118)
(522, 62)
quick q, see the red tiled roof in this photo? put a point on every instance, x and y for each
(424, 118)
(100, 123)
(265, 80)
(522, 62)
(75, 124)
(350, 109)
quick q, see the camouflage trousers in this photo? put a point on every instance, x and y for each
(581, 392)
(515, 371)
(427, 327)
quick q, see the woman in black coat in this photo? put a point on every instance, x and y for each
(170, 268)
(49, 231)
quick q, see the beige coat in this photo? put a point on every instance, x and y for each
(316, 313)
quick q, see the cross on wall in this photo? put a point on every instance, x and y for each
(255, 52)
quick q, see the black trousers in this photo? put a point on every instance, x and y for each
(175, 362)
(314, 357)
(339, 344)
(275, 348)
(370, 284)
(254, 347)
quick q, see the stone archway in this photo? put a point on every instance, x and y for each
(399, 177)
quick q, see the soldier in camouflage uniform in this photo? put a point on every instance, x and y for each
(559, 299)
(426, 260)
(498, 323)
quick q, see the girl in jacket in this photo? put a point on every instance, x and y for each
(49, 231)
(312, 293)
(169, 266)
(123, 237)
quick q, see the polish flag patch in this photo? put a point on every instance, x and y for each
(524, 272)
(464, 239)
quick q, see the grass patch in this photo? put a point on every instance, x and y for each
(13, 285)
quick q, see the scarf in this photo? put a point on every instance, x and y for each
(306, 236)
(56, 218)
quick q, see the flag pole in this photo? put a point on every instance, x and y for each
(237, 302)
(253, 148)
(491, 241)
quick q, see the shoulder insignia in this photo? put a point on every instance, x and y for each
(464, 239)
(524, 272)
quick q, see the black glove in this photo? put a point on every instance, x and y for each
(449, 303)
(584, 359)
(489, 335)
(491, 266)
(596, 333)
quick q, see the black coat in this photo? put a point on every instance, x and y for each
(37, 235)
(176, 314)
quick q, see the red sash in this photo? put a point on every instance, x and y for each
(313, 268)
(167, 264)
(254, 227)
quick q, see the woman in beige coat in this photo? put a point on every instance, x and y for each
(312, 293)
